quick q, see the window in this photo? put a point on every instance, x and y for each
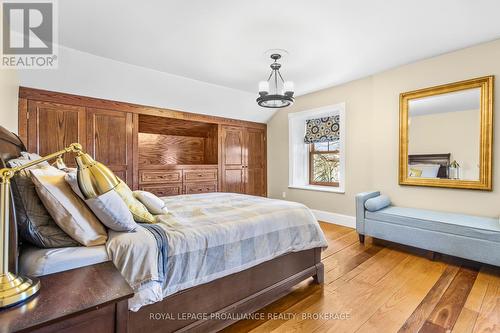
(317, 149)
(324, 164)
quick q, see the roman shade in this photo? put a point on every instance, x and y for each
(325, 129)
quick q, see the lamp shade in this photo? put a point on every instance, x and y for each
(93, 177)
(263, 87)
(288, 88)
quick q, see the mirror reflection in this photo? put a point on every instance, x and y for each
(444, 136)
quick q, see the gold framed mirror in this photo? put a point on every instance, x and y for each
(446, 135)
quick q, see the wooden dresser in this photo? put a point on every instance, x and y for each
(179, 179)
(177, 156)
(87, 299)
(163, 151)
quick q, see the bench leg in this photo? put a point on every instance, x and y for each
(431, 255)
(361, 238)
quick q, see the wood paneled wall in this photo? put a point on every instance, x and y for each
(157, 149)
(165, 141)
(129, 137)
(243, 160)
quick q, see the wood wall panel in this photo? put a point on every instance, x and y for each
(233, 146)
(53, 126)
(70, 99)
(255, 162)
(129, 138)
(180, 127)
(135, 152)
(23, 119)
(233, 159)
(166, 129)
(254, 182)
(156, 149)
(211, 146)
(233, 181)
(121, 173)
(243, 165)
(110, 141)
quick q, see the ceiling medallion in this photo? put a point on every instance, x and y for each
(282, 94)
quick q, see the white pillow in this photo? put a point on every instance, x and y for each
(428, 170)
(155, 205)
(68, 211)
(109, 207)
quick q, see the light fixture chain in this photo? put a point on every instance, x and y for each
(275, 82)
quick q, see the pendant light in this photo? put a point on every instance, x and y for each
(282, 93)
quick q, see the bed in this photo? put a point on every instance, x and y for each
(286, 245)
(441, 160)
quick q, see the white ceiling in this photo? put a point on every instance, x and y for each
(465, 100)
(223, 41)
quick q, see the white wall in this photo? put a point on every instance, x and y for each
(89, 75)
(9, 83)
(372, 120)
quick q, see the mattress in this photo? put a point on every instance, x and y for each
(36, 262)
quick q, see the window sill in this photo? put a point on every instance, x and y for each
(318, 188)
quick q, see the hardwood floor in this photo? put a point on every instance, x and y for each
(383, 287)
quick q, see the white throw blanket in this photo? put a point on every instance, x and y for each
(208, 236)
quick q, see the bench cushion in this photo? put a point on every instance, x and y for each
(458, 224)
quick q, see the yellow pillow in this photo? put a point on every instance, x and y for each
(138, 210)
(414, 172)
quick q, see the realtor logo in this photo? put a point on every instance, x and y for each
(29, 34)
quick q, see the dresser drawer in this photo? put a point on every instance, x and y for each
(200, 175)
(194, 188)
(163, 190)
(172, 176)
(99, 320)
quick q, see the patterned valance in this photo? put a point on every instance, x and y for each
(326, 129)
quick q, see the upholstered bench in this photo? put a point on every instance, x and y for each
(466, 236)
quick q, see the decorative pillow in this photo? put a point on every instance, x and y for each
(414, 172)
(25, 158)
(428, 170)
(377, 203)
(138, 210)
(109, 208)
(34, 222)
(154, 204)
(66, 208)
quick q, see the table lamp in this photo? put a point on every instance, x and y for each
(94, 179)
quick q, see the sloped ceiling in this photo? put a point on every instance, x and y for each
(223, 42)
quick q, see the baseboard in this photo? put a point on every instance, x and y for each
(334, 218)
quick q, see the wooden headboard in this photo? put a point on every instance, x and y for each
(442, 159)
(11, 147)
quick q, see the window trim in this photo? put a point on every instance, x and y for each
(298, 151)
(312, 152)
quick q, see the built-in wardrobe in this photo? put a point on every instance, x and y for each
(158, 150)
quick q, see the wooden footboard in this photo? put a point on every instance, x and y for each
(212, 306)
